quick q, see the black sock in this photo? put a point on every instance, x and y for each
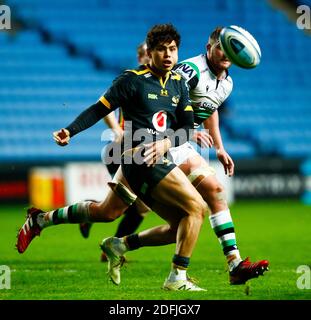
(130, 222)
(133, 241)
(181, 261)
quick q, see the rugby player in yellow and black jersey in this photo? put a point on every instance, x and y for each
(155, 99)
(151, 103)
(155, 103)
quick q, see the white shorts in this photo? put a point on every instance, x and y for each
(180, 154)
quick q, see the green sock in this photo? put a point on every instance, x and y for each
(76, 213)
(223, 227)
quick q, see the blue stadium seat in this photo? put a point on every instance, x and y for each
(42, 86)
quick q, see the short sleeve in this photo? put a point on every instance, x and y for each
(120, 92)
(189, 72)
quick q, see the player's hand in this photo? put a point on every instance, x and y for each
(154, 151)
(226, 161)
(203, 139)
(61, 137)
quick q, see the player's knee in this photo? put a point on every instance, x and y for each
(218, 189)
(216, 198)
(217, 192)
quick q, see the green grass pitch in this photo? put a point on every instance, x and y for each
(60, 264)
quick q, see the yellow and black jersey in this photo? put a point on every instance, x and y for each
(153, 108)
(149, 102)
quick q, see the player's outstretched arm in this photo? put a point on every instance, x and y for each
(85, 120)
(212, 124)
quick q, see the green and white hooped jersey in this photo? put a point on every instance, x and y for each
(205, 91)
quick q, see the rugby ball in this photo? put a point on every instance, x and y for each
(240, 47)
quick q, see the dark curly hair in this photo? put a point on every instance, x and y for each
(162, 33)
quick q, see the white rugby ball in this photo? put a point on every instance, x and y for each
(240, 47)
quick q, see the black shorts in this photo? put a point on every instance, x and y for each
(143, 179)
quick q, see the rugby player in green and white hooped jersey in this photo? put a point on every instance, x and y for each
(207, 90)
(209, 85)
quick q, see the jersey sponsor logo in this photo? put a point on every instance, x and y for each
(159, 121)
(186, 70)
(152, 96)
(203, 105)
(152, 131)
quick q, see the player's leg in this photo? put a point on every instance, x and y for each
(118, 199)
(174, 190)
(221, 221)
(132, 218)
(133, 215)
(112, 168)
(167, 184)
(184, 210)
(159, 235)
(114, 205)
(204, 179)
(164, 234)
(220, 218)
(115, 248)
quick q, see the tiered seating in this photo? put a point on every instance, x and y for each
(42, 89)
(269, 107)
(271, 104)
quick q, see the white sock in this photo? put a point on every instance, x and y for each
(121, 246)
(177, 274)
(223, 227)
(45, 219)
(236, 259)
